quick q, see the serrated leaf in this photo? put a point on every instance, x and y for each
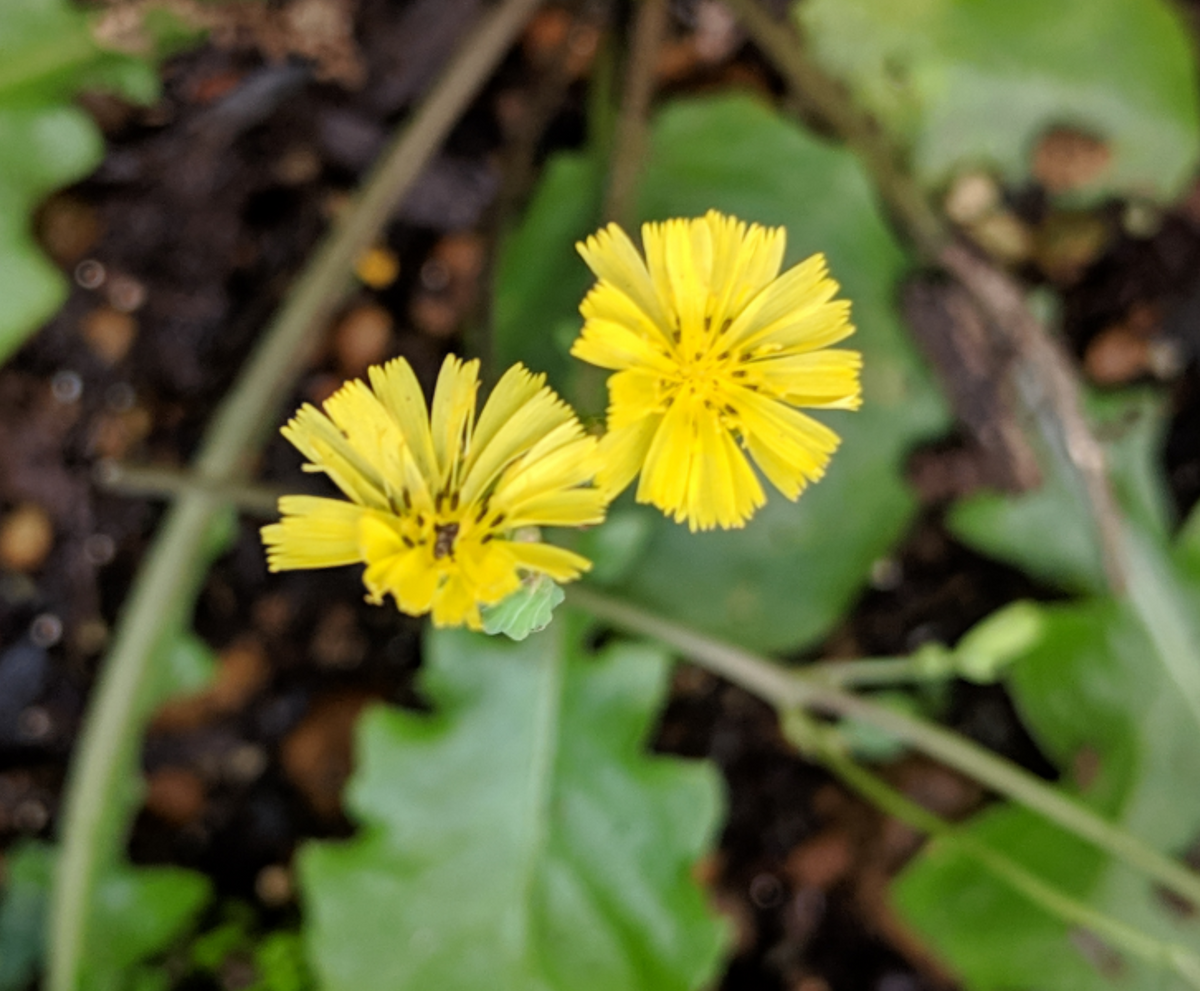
(46, 55)
(519, 838)
(784, 580)
(969, 84)
(1112, 694)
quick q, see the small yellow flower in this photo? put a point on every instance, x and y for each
(713, 350)
(435, 496)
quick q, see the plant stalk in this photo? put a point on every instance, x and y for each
(787, 690)
(165, 590)
(822, 744)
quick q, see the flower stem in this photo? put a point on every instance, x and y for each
(787, 690)
(165, 590)
(825, 745)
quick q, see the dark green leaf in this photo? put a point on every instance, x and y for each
(519, 838)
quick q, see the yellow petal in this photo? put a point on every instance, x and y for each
(666, 475)
(488, 570)
(314, 533)
(722, 490)
(537, 416)
(744, 261)
(454, 605)
(800, 290)
(622, 452)
(397, 387)
(453, 416)
(314, 435)
(827, 378)
(564, 467)
(806, 330)
(574, 507)
(611, 255)
(633, 394)
(607, 304)
(790, 447)
(611, 345)
(559, 563)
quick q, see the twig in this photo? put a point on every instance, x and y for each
(787, 690)
(1053, 388)
(629, 146)
(165, 590)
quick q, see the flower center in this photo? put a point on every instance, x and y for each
(444, 535)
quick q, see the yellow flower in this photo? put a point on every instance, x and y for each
(435, 496)
(713, 350)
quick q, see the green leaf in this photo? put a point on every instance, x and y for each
(528, 610)
(969, 84)
(784, 580)
(46, 55)
(140, 912)
(519, 838)
(1112, 694)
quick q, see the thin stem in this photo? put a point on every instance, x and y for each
(872, 672)
(787, 690)
(165, 590)
(629, 146)
(166, 482)
(822, 744)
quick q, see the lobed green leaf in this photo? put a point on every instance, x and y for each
(519, 838)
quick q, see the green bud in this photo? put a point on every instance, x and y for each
(995, 642)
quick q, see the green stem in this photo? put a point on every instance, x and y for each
(787, 690)
(822, 744)
(165, 590)
(166, 482)
(873, 672)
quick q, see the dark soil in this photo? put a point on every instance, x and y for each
(183, 243)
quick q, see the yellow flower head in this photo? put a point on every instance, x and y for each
(713, 350)
(435, 496)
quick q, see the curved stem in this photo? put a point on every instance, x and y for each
(165, 590)
(821, 743)
(788, 690)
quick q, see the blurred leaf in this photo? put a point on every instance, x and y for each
(1047, 532)
(519, 837)
(27, 870)
(969, 84)
(279, 960)
(187, 666)
(46, 55)
(1112, 695)
(785, 580)
(540, 280)
(528, 610)
(140, 912)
